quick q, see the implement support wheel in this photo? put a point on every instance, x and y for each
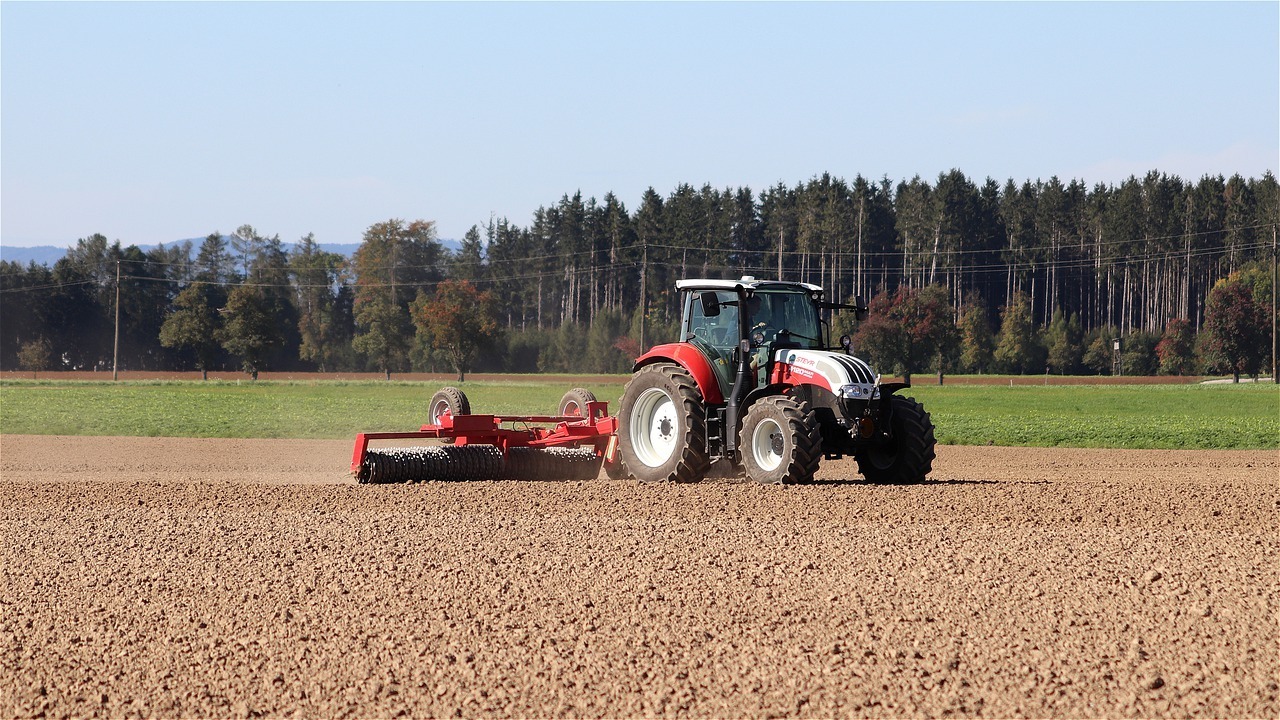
(448, 401)
(574, 402)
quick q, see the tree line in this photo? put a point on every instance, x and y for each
(1053, 271)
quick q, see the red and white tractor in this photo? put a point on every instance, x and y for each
(755, 382)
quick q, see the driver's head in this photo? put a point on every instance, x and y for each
(753, 305)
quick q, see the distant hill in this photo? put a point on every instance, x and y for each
(50, 254)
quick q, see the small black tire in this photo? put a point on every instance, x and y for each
(908, 456)
(780, 441)
(574, 402)
(449, 399)
(662, 426)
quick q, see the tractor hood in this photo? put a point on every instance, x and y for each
(844, 375)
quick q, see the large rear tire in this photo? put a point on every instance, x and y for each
(448, 400)
(780, 441)
(908, 456)
(662, 426)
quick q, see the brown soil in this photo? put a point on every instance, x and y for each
(159, 577)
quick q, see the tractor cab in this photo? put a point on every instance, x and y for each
(719, 314)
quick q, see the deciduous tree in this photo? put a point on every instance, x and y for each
(35, 355)
(1019, 349)
(1176, 349)
(459, 319)
(249, 329)
(1234, 323)
(193, 325)
(909, 330)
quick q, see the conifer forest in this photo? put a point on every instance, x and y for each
(961, 276)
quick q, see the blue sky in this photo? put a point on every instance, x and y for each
(150, 122)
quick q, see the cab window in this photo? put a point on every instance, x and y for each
(720, 331)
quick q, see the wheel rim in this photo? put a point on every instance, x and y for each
(572, 408)
(441, 407)
(767, 445)
(654, 427)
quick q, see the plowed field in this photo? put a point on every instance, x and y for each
(158, 577)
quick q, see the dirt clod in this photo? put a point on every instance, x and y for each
(220, 578)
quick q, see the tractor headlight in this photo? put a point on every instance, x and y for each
(857, 391)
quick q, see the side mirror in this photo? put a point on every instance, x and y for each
(846, 342)
(710, 303)
(859, 308)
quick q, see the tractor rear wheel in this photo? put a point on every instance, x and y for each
(908, 456)
(450, 401)
(662, 426)
(574, 402)
(780, 441)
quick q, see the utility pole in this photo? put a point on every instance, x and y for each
(779, 253)
(644, 295)
(1274, 379)
(115, 352)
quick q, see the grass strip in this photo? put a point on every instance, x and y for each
(1110, 416)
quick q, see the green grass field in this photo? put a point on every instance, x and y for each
(1112, 416)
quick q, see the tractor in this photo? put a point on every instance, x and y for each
(752, 387)
(754, 382)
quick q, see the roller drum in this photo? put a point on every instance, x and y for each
(549, 464)
(427, 464)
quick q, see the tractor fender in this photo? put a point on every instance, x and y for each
(693, 361)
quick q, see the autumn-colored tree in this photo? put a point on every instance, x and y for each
(909, 330)
(1234, 322)
(1176, 349)
(193, 324)
(459, 319)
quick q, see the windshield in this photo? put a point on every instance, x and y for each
(775, 310)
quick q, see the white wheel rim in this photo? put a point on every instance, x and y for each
(762, 449)
(571, 408)
(440, 408)
(655, 428)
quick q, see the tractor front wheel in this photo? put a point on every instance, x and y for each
(662, 426)
(780, 441)
(907, 457)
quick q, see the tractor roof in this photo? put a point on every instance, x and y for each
(747, 282)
